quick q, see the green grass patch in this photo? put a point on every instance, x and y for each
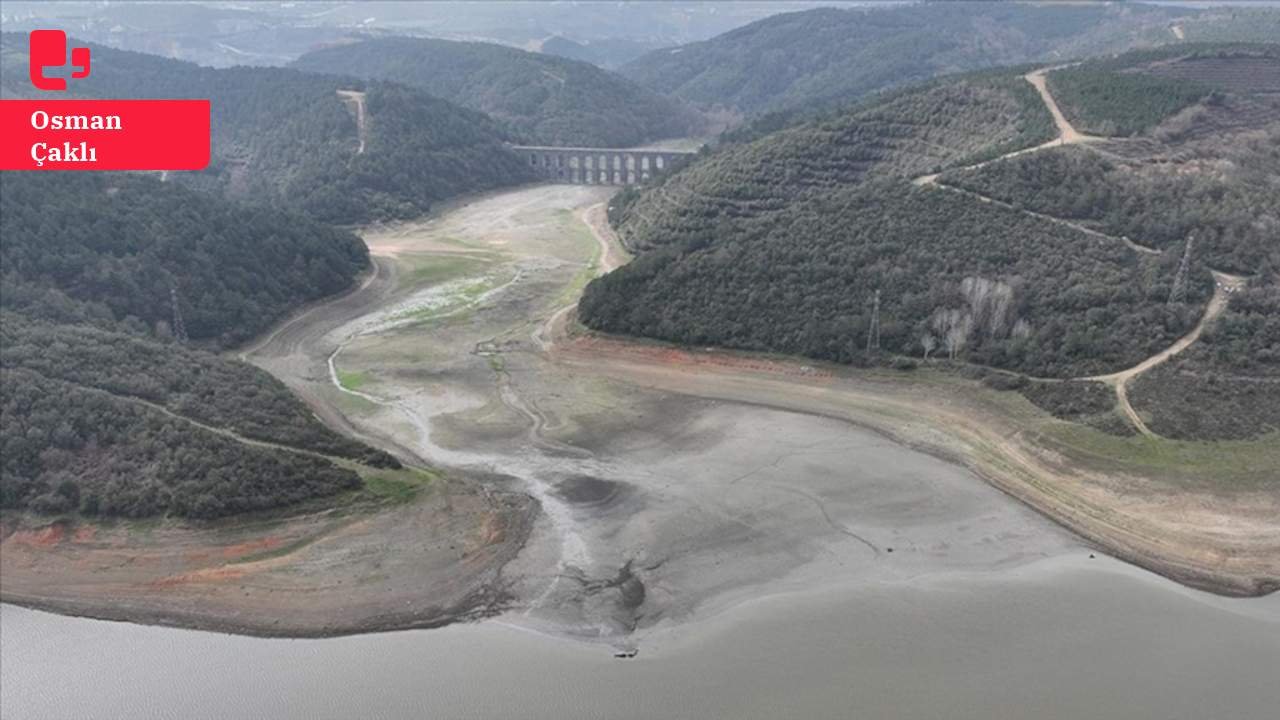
(395, 487)
(1218, 465)
(352, 404)
(458, 300)
(282, 550)
(352, 380)
(580, 235)
(429, 269)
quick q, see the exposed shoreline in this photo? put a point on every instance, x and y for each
(964, 432)
(1182, 567)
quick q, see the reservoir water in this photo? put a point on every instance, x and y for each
(1067, 637)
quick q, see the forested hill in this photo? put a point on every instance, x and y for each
(108, 248)
(104, 410)
(1062, 262)
(835, 55)
(541, 98)
(288, 136)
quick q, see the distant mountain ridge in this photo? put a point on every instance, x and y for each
(540, 98)
(288, 137)
(837, 55)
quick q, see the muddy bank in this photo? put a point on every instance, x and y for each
(1224, 542)
(430, 561)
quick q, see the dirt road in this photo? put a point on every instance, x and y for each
(1224, 286)
(355, 100)
(1067, 134)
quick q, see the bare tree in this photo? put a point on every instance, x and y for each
(958, 334)
(955, 326)
(990, 302)
(928, 342)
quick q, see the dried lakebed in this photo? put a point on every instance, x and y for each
(654, 505)
(573, 501)
(761, 562)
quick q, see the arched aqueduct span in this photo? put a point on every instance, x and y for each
(599, 166)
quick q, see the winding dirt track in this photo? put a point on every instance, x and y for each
(1067, 134)
(1224, 284)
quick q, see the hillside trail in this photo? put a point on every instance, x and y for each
(1067, 133)
(221, 431)
(355, 99)
(1224, 286)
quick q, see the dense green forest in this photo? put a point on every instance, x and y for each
(835, 55)
(111, 248)
(779, 241)
(192, 383)
(1130, 94)
(543, 99)
(286, 136)
(782, 242)
(90, 262)
(66, 448)
(903, 134)
(1106, 103)
(957, 279)
(1227, 386)
(1234, 217)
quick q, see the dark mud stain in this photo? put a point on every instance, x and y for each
(587, 490)
(666, 423)
(617, 599)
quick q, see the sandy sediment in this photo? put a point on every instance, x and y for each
(427, 563)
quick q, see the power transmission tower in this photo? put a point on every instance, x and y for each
(873, 332)
(1179, 291)
(179, 328)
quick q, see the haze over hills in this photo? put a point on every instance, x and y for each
(827, 56)
(289, 137)
(781, 243)
(542, 99)
(222, 34)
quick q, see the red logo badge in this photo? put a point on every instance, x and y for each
(98, 134)
(49, 50)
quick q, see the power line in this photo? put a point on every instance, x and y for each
(179, 328)
(1178, 292)
(873, 332)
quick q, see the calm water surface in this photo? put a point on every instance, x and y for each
(1062, 638)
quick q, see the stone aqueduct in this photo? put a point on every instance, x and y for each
(598, 166)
